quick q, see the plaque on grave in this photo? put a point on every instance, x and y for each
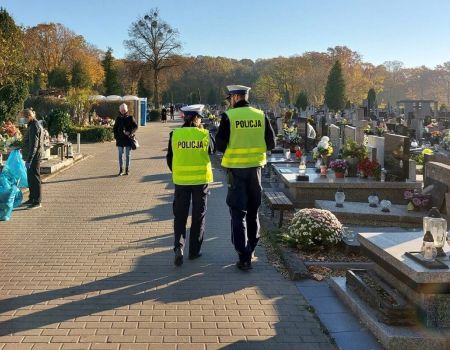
(396, 157)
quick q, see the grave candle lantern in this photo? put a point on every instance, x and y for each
(385, 206)
(339, 197)
(437, 225)
(373, 200)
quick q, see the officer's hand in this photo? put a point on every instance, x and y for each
(27, 165)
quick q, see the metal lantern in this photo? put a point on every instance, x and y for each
(339, 197)
(437, 225)
(385, 206)
(373, 200)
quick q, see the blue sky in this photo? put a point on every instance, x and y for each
(415, 32)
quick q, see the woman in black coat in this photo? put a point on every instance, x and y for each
(124, 129)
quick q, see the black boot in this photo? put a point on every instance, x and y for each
(120, 172)
(178, 257)
(126, 171)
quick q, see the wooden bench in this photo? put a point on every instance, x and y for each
(278, 201)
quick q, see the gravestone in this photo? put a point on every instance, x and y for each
(437, 182)
(359, 135)
(412, 170)
(349, 133)
(378, 143)
(360, 113)
(396, 157)
(335, 139)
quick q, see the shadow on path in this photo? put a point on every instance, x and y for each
(80, 179)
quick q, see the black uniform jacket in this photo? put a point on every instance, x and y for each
(223, 134)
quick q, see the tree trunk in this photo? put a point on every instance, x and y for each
(156, 86)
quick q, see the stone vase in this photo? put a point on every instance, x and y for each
(352, 170)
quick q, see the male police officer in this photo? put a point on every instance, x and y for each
(188, 159)
(244, 136)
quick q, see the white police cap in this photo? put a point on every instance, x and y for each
(192, 110)
(238, 89)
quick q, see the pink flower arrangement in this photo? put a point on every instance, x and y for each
(339, 165)
(419, 200)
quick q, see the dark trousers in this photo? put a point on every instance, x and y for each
(244, 199)
(181, 204)
(34, 180)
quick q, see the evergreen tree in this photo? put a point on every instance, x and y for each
(14, 71)
(211, 97)
(59, 78)
(302, 101)
(142, 91)
(335, 88)
(371, 99)
(80, 76)
(111, 82)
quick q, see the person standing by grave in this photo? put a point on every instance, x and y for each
(188, 159)
(124, 128)
(163, 114)
(310, 135)
(33, 152)
(172, 112)
(244, 136)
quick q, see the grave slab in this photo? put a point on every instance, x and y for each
(359, 213)
(303, 193)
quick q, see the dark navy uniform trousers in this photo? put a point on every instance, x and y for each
(181, 204)
(244, 199)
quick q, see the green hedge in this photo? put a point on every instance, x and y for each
(110, 109)
(44, 105)
(155, 115)
(58, 121)
(91, 134)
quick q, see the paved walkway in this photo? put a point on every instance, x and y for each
(93, 269)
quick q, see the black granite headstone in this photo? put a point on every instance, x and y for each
(396, 157)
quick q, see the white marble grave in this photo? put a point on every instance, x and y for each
(378, 143)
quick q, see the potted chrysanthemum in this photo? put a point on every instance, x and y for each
(339, 166)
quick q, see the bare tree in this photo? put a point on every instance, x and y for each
(155, 42)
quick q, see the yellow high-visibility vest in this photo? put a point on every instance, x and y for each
(191, 164)
(247, 146)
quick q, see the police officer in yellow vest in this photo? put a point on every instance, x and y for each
(244, 136)
(188, 159)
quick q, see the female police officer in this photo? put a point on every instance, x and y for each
(188, 159)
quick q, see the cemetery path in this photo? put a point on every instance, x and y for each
(93, 268)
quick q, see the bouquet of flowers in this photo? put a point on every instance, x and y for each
(417, 201)
(10, 136)
(339, 165)
(367, 166)
(323, 149)
(313, 227)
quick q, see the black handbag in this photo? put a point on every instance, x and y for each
(134, 142)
